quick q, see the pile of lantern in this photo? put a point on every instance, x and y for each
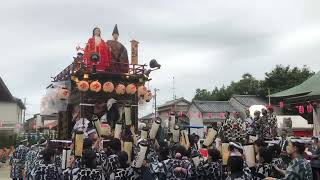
(301, 108)
(120, 89)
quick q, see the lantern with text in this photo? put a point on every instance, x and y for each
(148, 96)
(95, 86)
(108, 87)
(83, 86)
(63, 94)
(120, 89)
(131, 89)
(142, 90)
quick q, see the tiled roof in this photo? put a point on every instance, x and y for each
(5, 95)
(149, 116)
(172, 102)
(214, 106)
(249, 100)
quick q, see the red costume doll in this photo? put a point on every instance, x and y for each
(97, 45)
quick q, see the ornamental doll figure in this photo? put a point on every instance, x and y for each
(119, 55)
(97, 45)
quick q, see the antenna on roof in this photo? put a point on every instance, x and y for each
(173, 89)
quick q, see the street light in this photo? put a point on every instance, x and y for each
(155, 101)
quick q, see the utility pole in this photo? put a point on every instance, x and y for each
(173, 89)
(155, 101)
(24, 111)
(269, 96)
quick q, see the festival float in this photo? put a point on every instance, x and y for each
(100, 88)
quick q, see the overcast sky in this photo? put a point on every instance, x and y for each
(201, 43)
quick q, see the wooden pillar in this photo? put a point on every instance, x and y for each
(134, 52)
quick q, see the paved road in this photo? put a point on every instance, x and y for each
(5, 172)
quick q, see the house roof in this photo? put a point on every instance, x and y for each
(173, 102)
(214, 106)
(249, 100)
(147, 117)
(5, 95)
(310, 87)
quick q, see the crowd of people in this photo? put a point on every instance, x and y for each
(107, 157)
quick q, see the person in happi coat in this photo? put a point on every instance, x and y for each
(123, 171)
(47, 169)
(264, 166)
(256, 123)
(272, 120)
(248, 123)
(17, 160)
(88, 171)
(299, 168)
(29, 163)
(110, 159)
(211, 168)
(178, 167)
(283, 147)
(231, 130)
(235, 166)
(265, 126)
(277, 160)
(315, 157)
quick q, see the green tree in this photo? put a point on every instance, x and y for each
(282, 78)
(279, 79)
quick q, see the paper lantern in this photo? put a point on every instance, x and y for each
(222, 116)
(95, 86)
(309, 108)
(131, 89)
(176, 134)
(248, 151)
(65, 163)
(120, 89)
(118, 130)
(301, 109)
(210, 137)
(63, 94)
(148, 96)
(137, 163)
(142, 90)
(281, 104)
(78, 145)
(127, 114)
(83, 86)
(108, 87)
(127, 147)
(154, 128)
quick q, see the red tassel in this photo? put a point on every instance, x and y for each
(301, 109)
(309, 108)
(281, 104)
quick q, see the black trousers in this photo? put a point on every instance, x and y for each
(316, 173)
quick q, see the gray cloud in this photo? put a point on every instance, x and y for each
(202, 44)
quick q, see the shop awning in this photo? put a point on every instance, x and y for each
(310, 87)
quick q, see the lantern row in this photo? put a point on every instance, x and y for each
(120, 89)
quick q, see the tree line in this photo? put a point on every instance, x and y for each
(278, 79)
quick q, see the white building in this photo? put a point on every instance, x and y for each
(11, 115)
